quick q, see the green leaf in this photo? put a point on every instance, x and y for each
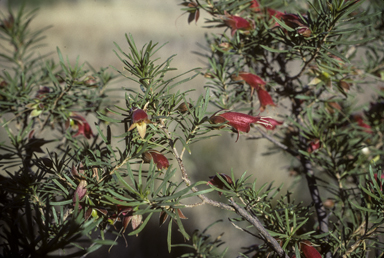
(363, 208)
(273, 49)
(169, 235)
(61, 203)
(60, 186)
(127, 186)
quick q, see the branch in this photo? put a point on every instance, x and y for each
(184, 174)
(359, 241)
(322, 216)
(54, 106)
(315, 194)
(311, 180)
(276, 142)
(116, 168)
(257, 224)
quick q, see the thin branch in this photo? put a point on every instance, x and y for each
(54, 106)
(315, 194)
(116, 168)
(276, 142)
(257, 224)
(185, 174)
(358, 242)
(311, 180)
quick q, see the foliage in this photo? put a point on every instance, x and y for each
(62, 182)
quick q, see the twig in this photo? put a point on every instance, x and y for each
(358, 242)
(185, 174)
(116, 168)
(279, 144)
(257, 224)
(54, 106)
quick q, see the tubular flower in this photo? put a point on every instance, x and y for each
(269, 123)
(265, 99)
(365, 127)
(80, 123)
(252, 80)
(295, 22)
(236, 23)
(242, 122)
(256, 83)
(273, 12)
(139, 120)
(255, 6)
(159, 159)
(308, 250)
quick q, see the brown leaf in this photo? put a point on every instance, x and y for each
(126, 221)
(136, 221)
(163, 217)
(181, 215)
(88, 213)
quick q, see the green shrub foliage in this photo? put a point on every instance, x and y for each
(67, 178)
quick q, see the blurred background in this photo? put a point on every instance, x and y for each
(87, 29)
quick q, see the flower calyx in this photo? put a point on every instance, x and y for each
(79, 123)
(140, 121)
(159, 159)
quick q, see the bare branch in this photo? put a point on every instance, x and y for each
(184, 174)
(263, 232)
(276, 142)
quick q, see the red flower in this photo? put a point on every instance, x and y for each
(273, 12)
(295, 22)
(314, 145)
(264, 98)
(366, 128)
(139, 120)
(242, 122)
(80, 123)
(159, 159)
(215, 180)
(308, 250)
(236, 23)
(255, 82)
(255, 6)
(252, 80)
(269, 123)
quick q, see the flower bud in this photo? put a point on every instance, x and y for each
(295, 22)
(216, 181)
(159, 159)
(184, 107)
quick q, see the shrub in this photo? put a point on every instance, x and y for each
(61, 181)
